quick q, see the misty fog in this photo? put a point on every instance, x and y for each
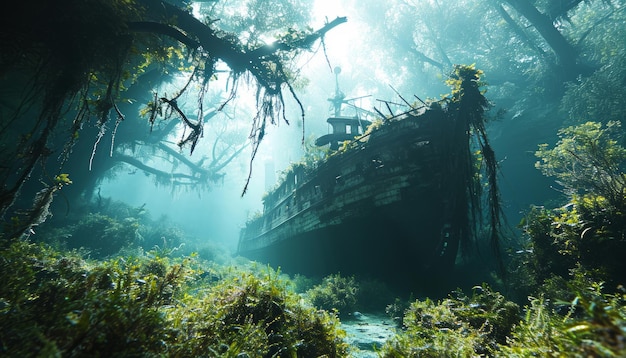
(177, 179)
(370, 72)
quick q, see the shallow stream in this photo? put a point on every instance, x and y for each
(367, 333)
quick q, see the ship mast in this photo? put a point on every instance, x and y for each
(338, 96)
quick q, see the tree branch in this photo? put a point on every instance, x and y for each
(157, 172)
(518, 30)
(178, 156)
(158, 28)
(565, 52)
(270, 49)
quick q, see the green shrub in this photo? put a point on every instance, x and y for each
(257, 316)
(58, 304)
(335, 293)
(592, 324)
(591, 229)
(460, 326)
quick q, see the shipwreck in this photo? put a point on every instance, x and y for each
(397, 199)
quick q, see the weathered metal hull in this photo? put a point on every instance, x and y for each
(378, 209)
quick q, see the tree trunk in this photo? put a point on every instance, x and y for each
(558, 9)
(565, 52)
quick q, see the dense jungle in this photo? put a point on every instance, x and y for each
(138, 137)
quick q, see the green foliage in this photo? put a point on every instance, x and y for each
(592, 324)
(57, 304)
(106, 227)
(396, 309)
(574, 250)
(600, 95)
(335, 293)
(347, 294)
(257, 316)
(162, 234)
(62, 179)
(313, 154)
(588, 158)
(459, 326)
(585, 322)
(539, 259)
(312, 157)
(461, 77)
(588, 232)
(101, 234)
(591, 230)
(376, 124)
(301, 283)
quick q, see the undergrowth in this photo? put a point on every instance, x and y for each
(55, 303)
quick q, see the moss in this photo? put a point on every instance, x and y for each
(290, 326)
(468, 325)
(592, 324)
(335, 293)
(55, 303)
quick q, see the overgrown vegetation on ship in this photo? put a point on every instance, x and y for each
(56, 303)
(470, 165)
(469, 160)
(468, 106)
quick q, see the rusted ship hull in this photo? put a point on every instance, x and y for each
(378, 209)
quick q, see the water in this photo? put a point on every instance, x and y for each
(367, 333)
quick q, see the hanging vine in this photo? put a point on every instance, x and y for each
(82, 53)
(470, 104)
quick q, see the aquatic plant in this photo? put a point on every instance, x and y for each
(56, 303)
(103, 235)
(573, 263)
(396, 309)
(104, 227)
(587, 232)
(256, 316)
(97, 233)
(591, 324)
(301, 283)
(460, 325)
(335, 293)
(572, 317)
